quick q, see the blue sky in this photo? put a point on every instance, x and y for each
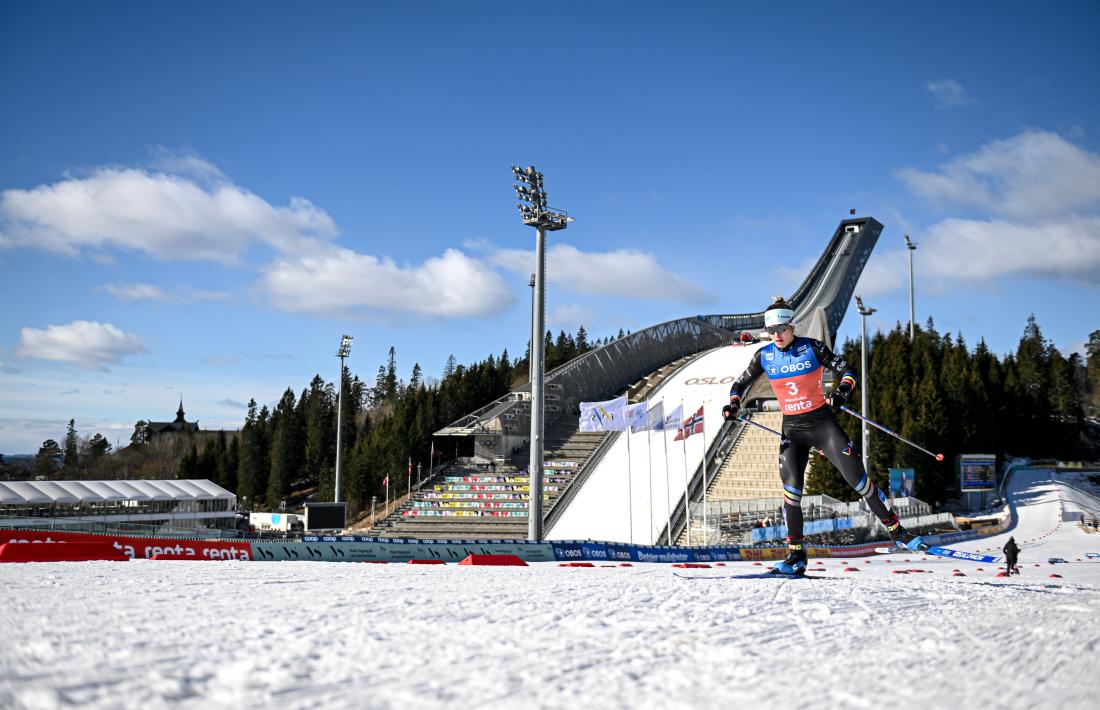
(199, 198)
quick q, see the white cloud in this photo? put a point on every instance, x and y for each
(1034, 197)
(186, 163)
(222, 360)
(83, 343)
(343, 283)
(1074, 346)
(972, 249)
(136, 292)
(623, 272)
(1035, 174)
(976, 251)
(948, 93)
(165, 215)
(149, 292)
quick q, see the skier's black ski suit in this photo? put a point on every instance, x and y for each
(794, 373)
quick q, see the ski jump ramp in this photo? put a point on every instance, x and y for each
(631, 497)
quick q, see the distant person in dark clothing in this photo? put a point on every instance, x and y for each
(1012, 551)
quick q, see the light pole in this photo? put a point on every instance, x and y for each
(912, 248)
(866, 433)
(343, 352)
(535, 213)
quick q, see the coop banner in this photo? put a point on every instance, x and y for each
(362, 549)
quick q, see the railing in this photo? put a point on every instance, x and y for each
(702, 478)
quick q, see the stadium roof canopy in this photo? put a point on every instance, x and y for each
(46, 492)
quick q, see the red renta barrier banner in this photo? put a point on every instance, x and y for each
(140, 547)
(68, 552)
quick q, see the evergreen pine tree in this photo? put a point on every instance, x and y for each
(140, 437)
(390, 381)
(320, 410)
(206, 466)
(48, 460)
(1092, 366)
(71, 459)
(229, 463)
(378, 392)
(188, 468)
(285, 449)
(1032, 368)
(250, 469)
(98, 447)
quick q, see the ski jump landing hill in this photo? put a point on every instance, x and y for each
(631, 486)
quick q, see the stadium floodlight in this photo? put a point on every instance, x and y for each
(865, 432)
(535, 213)
(912, 248)
(343, 352)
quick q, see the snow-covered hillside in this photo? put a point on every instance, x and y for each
(301, 634)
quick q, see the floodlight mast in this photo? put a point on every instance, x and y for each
(535, 213)
(865, 433)
(912, 247)
(343, 352)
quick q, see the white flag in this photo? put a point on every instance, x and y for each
(604, 416)
(635, 416)
(653, 417)
(671, 420)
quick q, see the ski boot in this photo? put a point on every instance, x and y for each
(905, 539)
(795, 564)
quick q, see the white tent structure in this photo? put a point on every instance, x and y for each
(142, 506)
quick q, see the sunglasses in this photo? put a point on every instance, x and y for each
(773, 329)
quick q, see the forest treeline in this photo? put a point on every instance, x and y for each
(935, 390)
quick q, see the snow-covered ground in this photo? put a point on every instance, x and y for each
(308, 634)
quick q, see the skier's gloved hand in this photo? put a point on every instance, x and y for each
(729, 412)
(841, 395)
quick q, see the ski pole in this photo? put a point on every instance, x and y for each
(814, 449)
(938, 457)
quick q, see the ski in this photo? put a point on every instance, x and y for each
(942, 552)
(755, 575)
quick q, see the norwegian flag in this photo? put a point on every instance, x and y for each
(386, 482)
(692, 425)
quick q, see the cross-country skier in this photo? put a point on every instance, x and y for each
(1012, 551)
(793, 366)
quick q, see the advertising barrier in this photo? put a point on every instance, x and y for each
(140, 547)
(332, 548)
